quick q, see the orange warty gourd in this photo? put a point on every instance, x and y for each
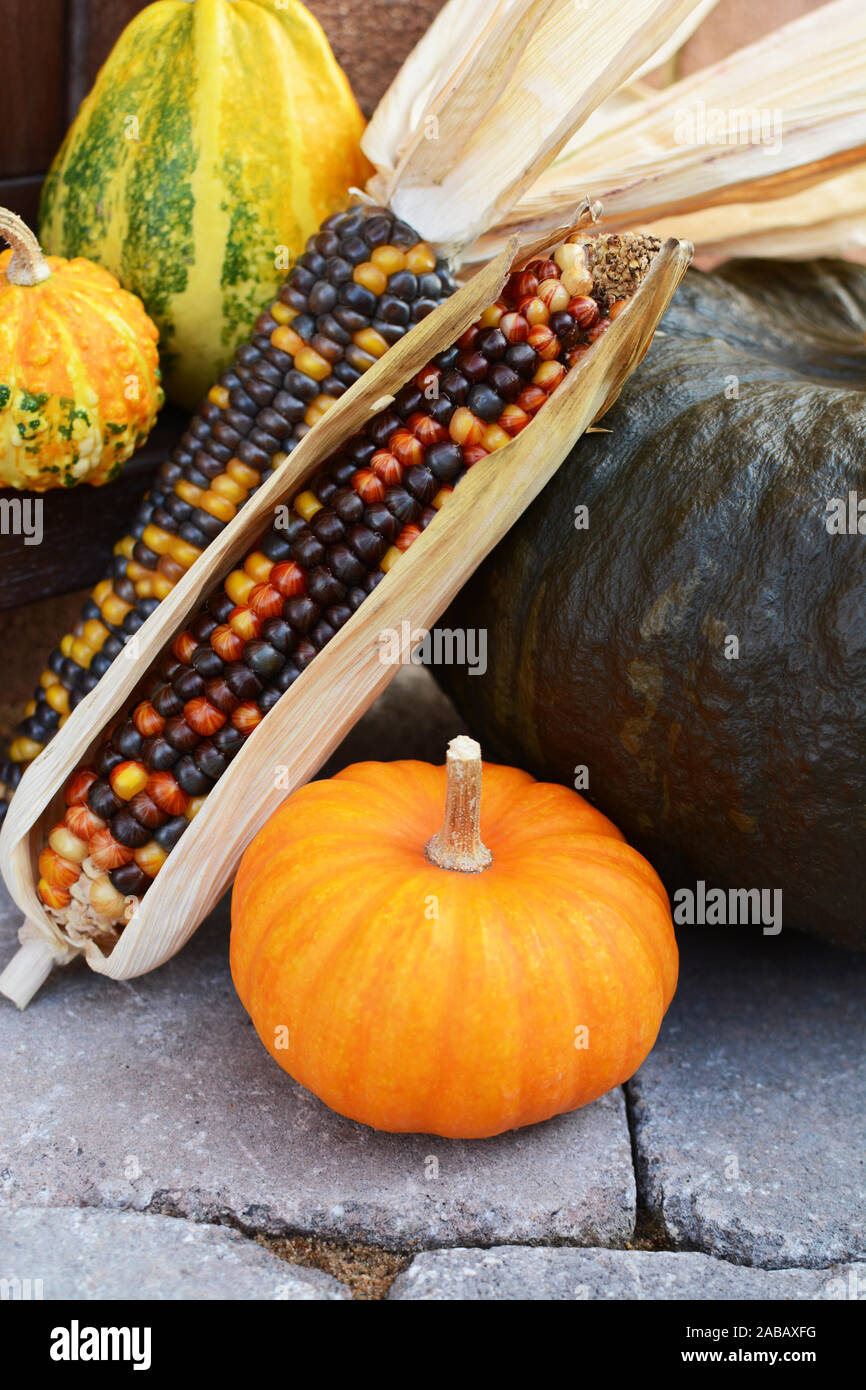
(79, 373)
(462, 983)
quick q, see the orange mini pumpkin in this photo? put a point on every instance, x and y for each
(461, 983)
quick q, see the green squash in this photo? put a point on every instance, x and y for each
(728, 501)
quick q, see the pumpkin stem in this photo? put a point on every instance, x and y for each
(27, 265)
(458, 844)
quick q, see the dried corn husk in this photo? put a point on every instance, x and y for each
(806, 82)
(348, 674)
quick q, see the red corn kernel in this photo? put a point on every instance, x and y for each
(183, 647)
(467, 339)
(265, 601)
(203, 717)
(548, 376)
(57, 871)
(288, 579)
(147, 720)
(544, 270)
(108, 853)
(598, 329)
(427, 381)
(545, 342)
(531, 399)
(368, 487)
(515, 327)
(428, 430)
(616, 308)
(408, 450)
(513, 420)
(583, 310)
(386, 467)
(58, 898)
(244, 622)
(407, 536)
(246, 717)
(465, 428)
(474, 454)
(576, 353)
(79, 785)
(226, 643)
(521, 284)
(168, 796)
(82, 822)
(554, 294)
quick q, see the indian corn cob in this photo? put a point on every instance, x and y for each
(348, 526)
(361, 283)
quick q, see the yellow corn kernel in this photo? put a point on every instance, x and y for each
(128, 779)
(188, 492)
(114, 610)
(144, 587)
(67, 639)
(389, 258)
(318, 408)
(219, 396)
(183, 553)
(62, 720)
(371, 276)
(137, 572)
(151, 858)
(258, 567)
(125, 547)
(243, 475)
(312, 364)
(57, 697)
(239, 586)
(24, 750)
(490, 318)
(228, 489)
(29, 708)
(67, 845)
(281, 312)
(287, 340)
(47, 679)
(195, 805)
(94, 633)
(102, 590)
(156, 539)
(391, 556)
(420, 259)
(495, 438)
(161, 587)
(278, 459)
(82, 652)
(368, 340)
(306, 504)
(105, 898)
(218, 506)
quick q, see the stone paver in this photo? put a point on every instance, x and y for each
(515, 1272)
(157, 1093)
(88, 1254)
(749, 1113)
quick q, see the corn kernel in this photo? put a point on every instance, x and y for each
(52, 897)
(82, 652)
(95, 633)
(441, 497)
(239, 586)
(230, 490)
(306, 504)
(114, 610)
(389, 258)
(495, 438)
(281, 312)
(490, 318)
(195, 805)
(161, 587)
(371, 342)
(312, 364)
(242, 474)
(218, 506)
(99, 593)
(464, 427)
(58, 698)
(156, 539)
(188, 492)
(47, 679)
(24, 750)
(67, 845)
(128, 779)
(183, 553)
(29, 709)
(218, 396)
(371, 276)
(105, 899)
(420, 259)
(125, 546)
(258, 567)
(170, 569)
(391, 556)
(287, 340)
(151, 858)
(67, 639)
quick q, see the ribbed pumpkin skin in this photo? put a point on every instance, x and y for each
(247, 138)
(79, 377)
(461, 1024)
